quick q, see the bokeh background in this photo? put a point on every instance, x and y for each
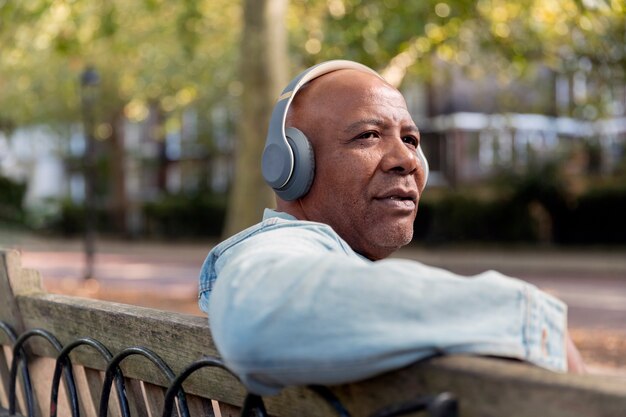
(138, 126)
(522, 106)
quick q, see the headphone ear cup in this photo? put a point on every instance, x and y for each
(424, 162)
(304, 166)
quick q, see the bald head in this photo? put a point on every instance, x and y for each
(307, 108)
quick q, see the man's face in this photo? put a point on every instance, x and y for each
(367, 176)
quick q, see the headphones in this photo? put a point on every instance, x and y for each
(288, 162)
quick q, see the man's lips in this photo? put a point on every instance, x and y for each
(398, 194)
(399, 199)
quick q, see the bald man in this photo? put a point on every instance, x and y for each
(306, 297)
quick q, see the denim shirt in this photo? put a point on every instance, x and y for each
(290, 303)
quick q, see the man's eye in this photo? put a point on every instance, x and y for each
(367, 135)
(411, 140)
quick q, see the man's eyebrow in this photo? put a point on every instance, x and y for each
(357, 125)
(411, 128)
(379, 123)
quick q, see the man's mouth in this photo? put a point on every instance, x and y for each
(399, 199)
(399, 194)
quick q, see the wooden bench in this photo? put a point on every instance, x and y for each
(483, 387)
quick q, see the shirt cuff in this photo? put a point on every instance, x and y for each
(545, 330)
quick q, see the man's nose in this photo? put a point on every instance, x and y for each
(399, 157)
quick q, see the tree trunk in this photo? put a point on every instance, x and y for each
(263, 72)
(118, 174)
(157, 133)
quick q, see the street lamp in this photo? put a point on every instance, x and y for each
(89, 81)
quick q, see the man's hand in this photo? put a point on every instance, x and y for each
(575, 362)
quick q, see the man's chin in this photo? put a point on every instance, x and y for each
(386, 244)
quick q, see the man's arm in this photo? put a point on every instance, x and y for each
(281, 316)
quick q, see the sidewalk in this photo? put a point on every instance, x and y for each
(580, 262)
(146, 273)
(592, 261)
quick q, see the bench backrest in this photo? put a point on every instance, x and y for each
(484, 387)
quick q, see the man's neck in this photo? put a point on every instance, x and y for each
(293, 208)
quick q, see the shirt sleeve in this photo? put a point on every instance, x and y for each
(288, 314)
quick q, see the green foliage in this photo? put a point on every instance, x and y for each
(458, 217)
(11, 200)
(69, 219)
(540, 182)
(172, 216)
(597, 217)
(501, 40)
(182, 215)
(171, 53)
(176, 53)
(531, 207)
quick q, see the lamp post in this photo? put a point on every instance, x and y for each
(89, 81)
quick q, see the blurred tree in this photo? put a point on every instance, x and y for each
(154, 57)
(161, 57)
(498, 39)
(171, 53)
(263, 73)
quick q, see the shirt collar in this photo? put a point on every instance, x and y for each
(269, 213)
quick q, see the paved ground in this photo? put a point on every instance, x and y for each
(164, 275)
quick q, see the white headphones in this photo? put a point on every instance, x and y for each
(288, 161)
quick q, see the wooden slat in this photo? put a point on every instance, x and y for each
(88, 393)
(199, 406)
(21, 399)
(136, 401)
(5, 375)
(492, 387)
(154, 397)
(227, 410)
(114, 404)
(41, 370)
(215, 405)
(14, 281)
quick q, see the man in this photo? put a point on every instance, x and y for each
(305, 296)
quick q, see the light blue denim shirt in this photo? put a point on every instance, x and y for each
(290, 303)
